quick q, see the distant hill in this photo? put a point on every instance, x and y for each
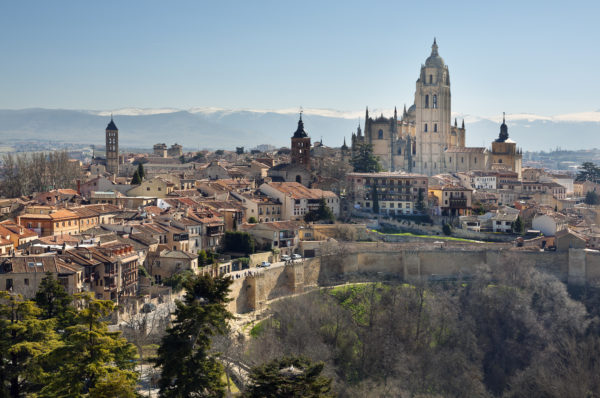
(220, 128)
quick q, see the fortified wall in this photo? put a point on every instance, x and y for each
(576, 266)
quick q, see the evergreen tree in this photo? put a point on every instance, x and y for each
(25, 342)
(202, 257)
(591, 198)
(54, 301)
(420, 206)
(518, 226)
(239, 241)
(292, 377)
(252, 220)
(588, 172)
(364, 161)
(375, 199)
(141, 171)
(323, 213)
(92, 358)
(136, 179)
(188, 368)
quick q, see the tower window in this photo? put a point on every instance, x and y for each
(435, 128)
(427, 101)
(430, 79)
(425, 129)
(380, 134)
(435, 101)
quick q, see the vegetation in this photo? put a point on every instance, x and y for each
(364, 161)
(592, 198)
(420, 206)
(239, 242)
(375, 198)
(252, 220)
(518, 226)
(188, 367)
(140, 170)
(52, 348)
(293, 377)
(219, 152)
(26, 173)
(447, 229)
(136, 179)
(507, 332)
(323, 213)
(588, 172)
(177, 281)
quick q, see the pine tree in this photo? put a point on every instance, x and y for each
(518, 225)
(54, 301)
(364, 161)
(136, 180)
(25, 342)
(292, 377)
(188, 368)
(92, 358)
(420, 206)
(141, 171)
(375, 199)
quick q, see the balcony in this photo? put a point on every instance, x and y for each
(457, 203)
(214, 231)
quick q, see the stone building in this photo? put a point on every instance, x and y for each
(423, 139)
(505, 155)
(112, 148)
(397, 192)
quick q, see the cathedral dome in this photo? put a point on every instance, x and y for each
(434, 60)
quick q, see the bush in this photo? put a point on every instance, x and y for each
(240, 242)
(447, 229)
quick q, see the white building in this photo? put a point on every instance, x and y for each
(297, 200)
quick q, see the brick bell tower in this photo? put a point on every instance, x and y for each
(112, 148)
(301, 146)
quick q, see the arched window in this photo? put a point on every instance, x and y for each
(425, 129)
(430, 79)
(399, 151)
(380, 134)
(435, 101)
(427, 101)
(425, 165)
(435, 128)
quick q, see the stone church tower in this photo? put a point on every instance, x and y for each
(112, 148)
(432, 102)
(301, 146)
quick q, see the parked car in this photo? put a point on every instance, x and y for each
(265, 264)
(296, 256)
(285, 257)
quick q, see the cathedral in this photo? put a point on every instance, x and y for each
(423, 139)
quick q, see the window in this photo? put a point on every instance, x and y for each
(462, 159)
(427, 101)
(435, 101)
(435, 128)
(380, 134)
(26, 281)
(475, 160)
(430, 79)
(425, 129)
(499, 160)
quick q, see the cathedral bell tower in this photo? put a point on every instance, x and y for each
(112, 148)
(432, 102)
(301, 146)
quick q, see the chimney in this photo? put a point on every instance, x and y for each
(78, 187)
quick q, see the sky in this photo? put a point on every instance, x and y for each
(517, 57)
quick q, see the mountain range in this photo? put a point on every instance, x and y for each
(215, 128)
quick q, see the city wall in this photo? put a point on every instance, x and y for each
(366, 262)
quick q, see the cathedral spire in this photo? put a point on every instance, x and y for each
(503, 130)
(463, 123)
(367, 114)
(455, 123)
(395, 113)
(434, 48)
